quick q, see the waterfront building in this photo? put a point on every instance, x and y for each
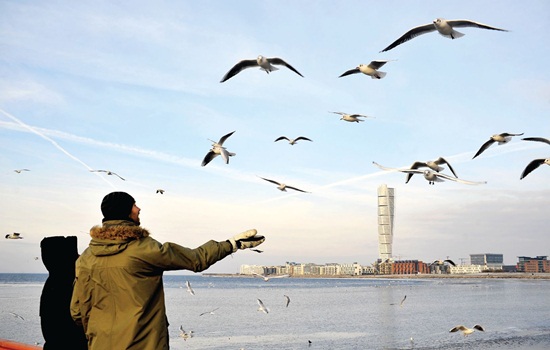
(409, 267)
(386, 203)
(490, 262)
(533, 265)
(466, 269)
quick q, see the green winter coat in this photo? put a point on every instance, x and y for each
(118, 294)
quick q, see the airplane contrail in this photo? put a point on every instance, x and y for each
(56, 145)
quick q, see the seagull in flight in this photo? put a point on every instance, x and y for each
(262, 307)
(370, 69)
(15, 235)
(189, 289)
(533, 165)
(443, 26)
(185, 335)
(267, 278)
(292, 141)
(108, 172)
(352, 118)
(209, 312)
(402, 301)
(465, 330)
(539, 139)
(218, 149)
(20, 170)
(432, 164)
(431, 176)
(161, 191)
(441, 262)
(17, 316)
(287, 300)
(499, 138)
(266, 64)
(282, 186)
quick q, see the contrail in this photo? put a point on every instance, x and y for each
(52, 142)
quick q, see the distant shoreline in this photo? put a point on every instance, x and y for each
(503, 275)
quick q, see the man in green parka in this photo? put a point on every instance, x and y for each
(118, 295)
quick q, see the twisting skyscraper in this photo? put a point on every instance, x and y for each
(385, 221)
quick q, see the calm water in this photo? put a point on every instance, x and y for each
(331, 313)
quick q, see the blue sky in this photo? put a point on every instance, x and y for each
(133, 87)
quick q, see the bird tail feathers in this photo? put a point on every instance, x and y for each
(379, 75)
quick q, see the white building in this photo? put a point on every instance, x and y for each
(386, 200)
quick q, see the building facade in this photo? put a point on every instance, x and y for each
(490, 262)
(386, 204)
(533, 265)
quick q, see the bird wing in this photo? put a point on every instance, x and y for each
(224, 137)
(479, 328)
(225, 155)
(120, 177)
(341, 113)
(457, 328)
(414, 32)
(450, 262)
(484, 147)
(351, 71)
(377, 64)
(272, 181)
(276, 60)
(302, 138)
(239, 67)
(409, 171)
(508, 134)
(468, 23)
(281, 138)
(209, 156)
(455, 179)
(531, 166)
(442, 160)
(296, 189)
(287, 300)
(539, 139)
(414, 165)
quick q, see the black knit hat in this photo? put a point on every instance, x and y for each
(117, 206)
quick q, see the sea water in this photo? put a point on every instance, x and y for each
(349, 313)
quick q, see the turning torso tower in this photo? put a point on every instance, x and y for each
(386, 198)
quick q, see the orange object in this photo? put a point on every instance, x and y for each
(11, 345)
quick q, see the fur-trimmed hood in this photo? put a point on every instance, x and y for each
(114, 235)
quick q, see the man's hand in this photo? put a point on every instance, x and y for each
(245, 240)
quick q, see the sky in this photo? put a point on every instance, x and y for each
(134, 87)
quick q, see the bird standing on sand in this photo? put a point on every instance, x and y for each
(443, 27)
(218, 149)
(499, 138)
(465, 330)
(370, 69)
(264, 63)
(282, 186)
(291, 141)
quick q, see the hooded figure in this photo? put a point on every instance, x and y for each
(59, 255)
(118, 295)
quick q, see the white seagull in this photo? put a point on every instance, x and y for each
(266, 278)
(262, 307)
(292, 141)
(218, 149)
(108, 172)
(189, 289)
(161, 191)
(465, 330)
(282, 186)
(352, 118)
(15, 235)
(499, 138)
(370, 69)
(20, 170)
(443, 26)
(185, 335)
(431, 176)
(533, 165)
(264, 63)
(539, 139)
(209, 312)
(432, 164)
(17, 316)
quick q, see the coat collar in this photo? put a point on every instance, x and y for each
(118, 230)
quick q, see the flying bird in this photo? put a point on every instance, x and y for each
(431, 176)
(262, 307)
(533, 165)
(189, 289)
(161, 191)
(432, 164)
(465, 330)
(441, 262)
(20, 170)
(370, 69)
(185, 335)
(443, 26)
(292, 141)
(282, 186)
(264, 63)
(209, 312)
(402, 301)
(15, 235)
(352, 118)
(287, 300)
(17, 316)
(257, 250)
(108, 172)
(267, 278)
(218, 149)
(539, 139)
(499, 138)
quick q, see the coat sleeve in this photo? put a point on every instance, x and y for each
(172, 256)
